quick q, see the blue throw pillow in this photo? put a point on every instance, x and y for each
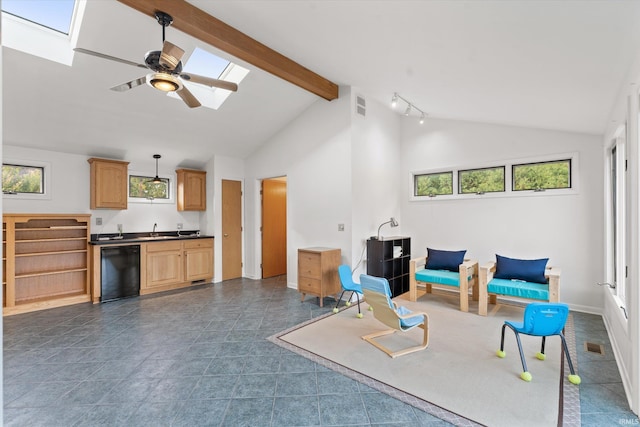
(529, 270)
(444, 260)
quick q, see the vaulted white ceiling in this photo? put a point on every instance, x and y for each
(542, 64)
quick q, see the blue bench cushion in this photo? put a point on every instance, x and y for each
(518, 288)
(440, 277)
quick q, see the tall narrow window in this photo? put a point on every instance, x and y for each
(617, 220)
(433, 184)
(22, 179)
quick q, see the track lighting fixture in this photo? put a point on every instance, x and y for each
(394, 100)
(410, 107)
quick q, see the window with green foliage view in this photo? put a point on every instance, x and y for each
(22, 179)
(542, 176)
(433, 184)
(479, 181)
(143, 187)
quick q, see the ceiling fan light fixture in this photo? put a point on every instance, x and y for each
(164, 82)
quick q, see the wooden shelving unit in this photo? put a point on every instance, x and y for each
(45, 261)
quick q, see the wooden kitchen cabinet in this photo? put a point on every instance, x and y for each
(164, 264)
(45, 261)
(175, 264)
(192, 190)
(109, 183)
(198, 259)
(318, 272)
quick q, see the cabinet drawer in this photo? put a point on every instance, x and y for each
(307, 285)
(200, 243)
(309, 265)
(164, 246)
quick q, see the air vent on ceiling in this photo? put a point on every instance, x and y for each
(361, 105)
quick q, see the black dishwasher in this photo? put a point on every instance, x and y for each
(120, 273)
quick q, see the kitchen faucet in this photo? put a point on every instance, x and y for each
(153, 233)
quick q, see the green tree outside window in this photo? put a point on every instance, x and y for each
(542, 176)
(143, 187)
(433, 184)
(486, 180)
(22, 179)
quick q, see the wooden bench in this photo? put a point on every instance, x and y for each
(490, 288)
(466, 277)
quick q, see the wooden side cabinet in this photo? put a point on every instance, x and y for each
(198, 260)
(45, 261)
(109, 183)
(318, 272)
(192, 190)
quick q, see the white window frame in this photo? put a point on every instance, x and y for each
(507, 164)
(172, 189)
(46, 177)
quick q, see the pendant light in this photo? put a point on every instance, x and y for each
(157, 179)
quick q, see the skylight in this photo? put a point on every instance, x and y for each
(54, 14)
(209, 65)
(45, 28)
(206, 64)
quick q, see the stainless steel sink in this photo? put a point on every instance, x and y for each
(155, 237)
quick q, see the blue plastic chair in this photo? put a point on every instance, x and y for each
(541, 319)
(348, 285)
(377, 293)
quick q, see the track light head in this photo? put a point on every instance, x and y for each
(394, 100)
(422, 117)
(408, 110)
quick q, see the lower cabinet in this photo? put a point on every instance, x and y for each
(175, 264)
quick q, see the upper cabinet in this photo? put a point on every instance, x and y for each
(192, 190)
(108, 183)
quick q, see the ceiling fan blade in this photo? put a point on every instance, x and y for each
(171, 55)
(130, 85)
(208, 81)
(188, 97)
(109, 57)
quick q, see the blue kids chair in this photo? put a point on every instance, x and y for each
(348, 285)
(541, 319)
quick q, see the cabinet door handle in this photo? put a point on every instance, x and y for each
(226, 235)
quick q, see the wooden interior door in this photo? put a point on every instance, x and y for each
(274, 227)
(231, 229)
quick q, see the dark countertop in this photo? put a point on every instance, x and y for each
(162, 236)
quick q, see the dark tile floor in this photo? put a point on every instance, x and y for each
(199, 357)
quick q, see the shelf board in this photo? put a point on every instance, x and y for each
(74, 251)
(48, 273)
(59, 239)
(53, 227)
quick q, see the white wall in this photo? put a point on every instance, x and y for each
(314, 153)
(70, 194)
(566, 229)
(375, 171)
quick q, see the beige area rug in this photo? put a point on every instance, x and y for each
(458, 378)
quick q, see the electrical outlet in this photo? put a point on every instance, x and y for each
(98, 221)
(179, 226)
(340, 227)
(119, 228)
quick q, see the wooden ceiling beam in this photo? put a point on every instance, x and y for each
(199, 24)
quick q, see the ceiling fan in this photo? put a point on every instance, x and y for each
(166, 65)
